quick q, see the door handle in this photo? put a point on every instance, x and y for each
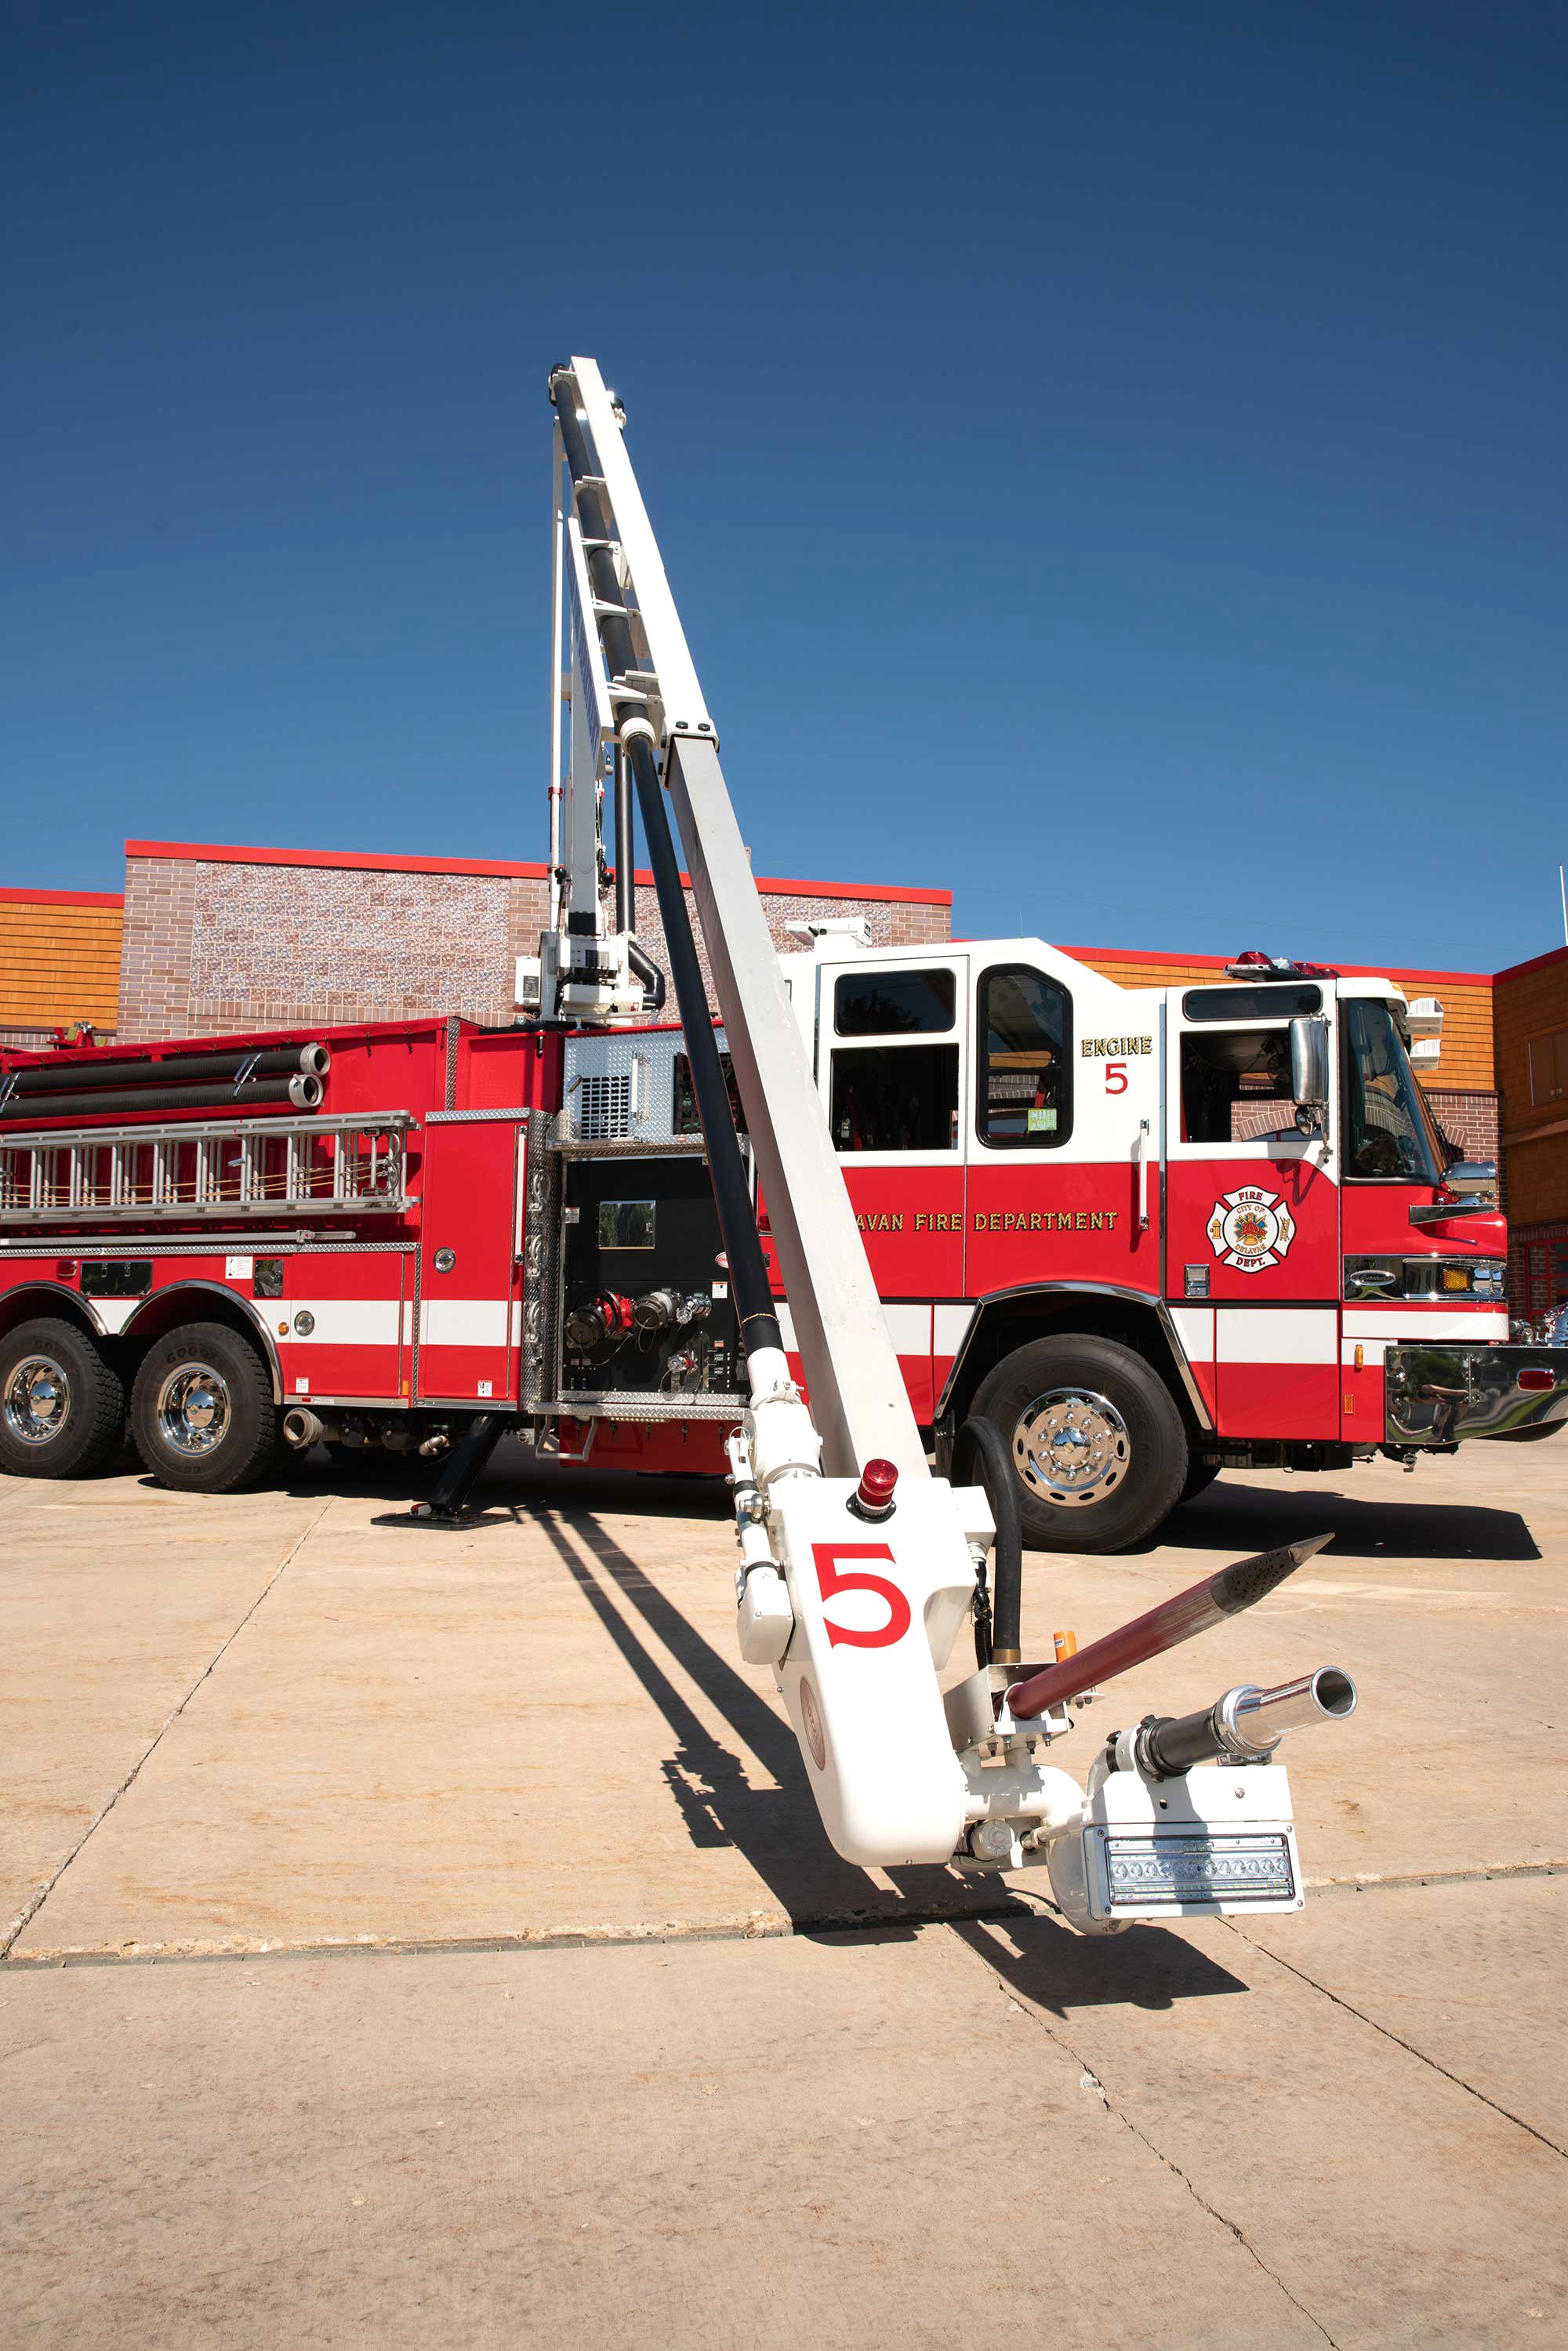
(1143, 1148)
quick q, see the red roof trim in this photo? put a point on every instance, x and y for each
(884, 893)
(211, 852)
(61, 898)
(1350, 970)
(222, 854)
(1536, 963)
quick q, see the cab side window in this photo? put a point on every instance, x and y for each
(1025, 1066)
(1235, 1084)
(896, 1096)
(879, 1003)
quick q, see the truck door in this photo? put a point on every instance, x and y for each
(468, 1331)
(892, 1067)
(1252, 1247)
(1055, 1184)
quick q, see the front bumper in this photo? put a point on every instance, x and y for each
(1436, 1396)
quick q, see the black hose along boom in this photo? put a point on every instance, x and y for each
(750, 1283)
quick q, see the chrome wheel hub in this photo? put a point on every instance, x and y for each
(193, 1410)
(37, 1400)
(1071, 1447)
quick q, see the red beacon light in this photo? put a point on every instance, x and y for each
(1255, 965)
(873, 1498)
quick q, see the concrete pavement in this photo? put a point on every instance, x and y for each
(265, 1728)
(541, 1728)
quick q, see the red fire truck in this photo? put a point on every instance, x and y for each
(1150, 1233)
(1147, 1234)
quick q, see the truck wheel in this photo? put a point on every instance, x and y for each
(1097, 1444)
(202, 1410)
(62, 1403)
(1199, 1478)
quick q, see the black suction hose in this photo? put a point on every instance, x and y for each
(625, 849)
(997, 1619)
(109, 1074)
(299, 1092)
(648, 972)
(749, 1279)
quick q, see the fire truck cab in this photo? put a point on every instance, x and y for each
(1154, 1233)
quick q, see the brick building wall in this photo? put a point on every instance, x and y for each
(219, 938)
(1533, 1007)
(1472, 1121)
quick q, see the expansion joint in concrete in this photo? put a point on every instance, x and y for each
(40, 1894)
(1091, 2082)
(1398, 2039)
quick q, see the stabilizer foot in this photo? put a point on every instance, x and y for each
(447, 1506)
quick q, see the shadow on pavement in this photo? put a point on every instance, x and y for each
(776, 1829)
(1240, 1519)
(1231, 1516)
(1052, 1968)
(515, 1482)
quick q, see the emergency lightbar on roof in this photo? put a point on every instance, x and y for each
(1253, 964)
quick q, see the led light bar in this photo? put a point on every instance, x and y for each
(1181, 1870)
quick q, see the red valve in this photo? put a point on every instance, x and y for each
(873, 1498)
(591, 1321)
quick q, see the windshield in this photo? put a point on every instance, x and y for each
(1389, 1130)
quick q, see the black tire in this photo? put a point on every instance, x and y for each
(1102, 1398)
(62, 1403)
(202, 1412)
(1199, 1478)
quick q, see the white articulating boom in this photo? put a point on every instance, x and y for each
(858, 1566)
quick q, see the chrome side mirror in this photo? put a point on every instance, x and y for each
(1310, 1070)
(1479, 1178)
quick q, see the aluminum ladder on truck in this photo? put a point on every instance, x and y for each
(183, 1169)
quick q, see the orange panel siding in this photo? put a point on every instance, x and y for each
(58, 963)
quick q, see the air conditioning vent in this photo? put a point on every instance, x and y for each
(606, 1104)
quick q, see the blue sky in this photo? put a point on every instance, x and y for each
(1109, 458)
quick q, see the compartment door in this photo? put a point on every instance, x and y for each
(468, 1329)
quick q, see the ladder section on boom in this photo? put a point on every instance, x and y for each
(207, 1168)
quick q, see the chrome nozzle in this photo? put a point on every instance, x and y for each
(1253, 1722)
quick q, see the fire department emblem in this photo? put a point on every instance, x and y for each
(1250, 1230)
